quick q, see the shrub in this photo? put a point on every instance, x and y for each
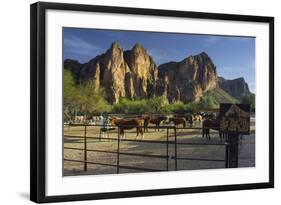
(128, 106)
(208, 102)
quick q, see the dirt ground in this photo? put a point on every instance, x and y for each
(217, 152)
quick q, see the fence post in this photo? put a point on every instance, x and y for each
(118, 149)
(176, 151)
(233, 140)
(85, 148)
(167, 150)
(226, 154)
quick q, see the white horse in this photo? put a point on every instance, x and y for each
(80, 118)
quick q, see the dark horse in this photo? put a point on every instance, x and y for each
(156, 121)
(178, 121)
(129, 124)
(188, 117)
(146, 119)
(213, 124)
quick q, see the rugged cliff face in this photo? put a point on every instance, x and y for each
(236, 87)
(189, 79)
(143, 72)
(132, 73)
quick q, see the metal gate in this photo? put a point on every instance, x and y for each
(165, 156)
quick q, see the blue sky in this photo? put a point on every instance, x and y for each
(233, 56)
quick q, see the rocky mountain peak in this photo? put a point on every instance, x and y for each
(192, 77)
(204, 56)
(115, 46)
(130, 73)
(138, 47)
(236, 87)
(115, 51)
(144, 71)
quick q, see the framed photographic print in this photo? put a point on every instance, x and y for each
(129, 102)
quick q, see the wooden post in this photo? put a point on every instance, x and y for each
(235, 120)
(233, 140)
(176, 150)
(226, 154)
(85, 148)
(167, 150)
(118, 150)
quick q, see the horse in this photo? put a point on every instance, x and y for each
(211, 116)
(213, 124)
(188, 118)
(178, 121)
(157, 121)
(123, 124)
(197, 117)
(146, 119)
(209, 124)
(80, 118)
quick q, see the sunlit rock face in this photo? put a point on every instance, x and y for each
(133, 73)
(130, 73)
(189, 78)
(144, 71)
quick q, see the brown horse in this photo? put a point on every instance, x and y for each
(188, 117)
(146, 119)
(129, 124)
(210, 124)
(213, 124)
(178, 121)
(157, 120)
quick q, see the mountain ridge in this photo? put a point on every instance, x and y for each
(236, 87)
(134, 74)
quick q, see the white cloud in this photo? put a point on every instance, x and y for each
(74, 44)
(212, 40)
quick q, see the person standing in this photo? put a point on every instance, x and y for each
(103, 125)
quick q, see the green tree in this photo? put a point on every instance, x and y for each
(83, 99)
(71, 95)
(177, 107)
(157, 104)
(249, 99)
(128, 106)
(208, 102)
(92, 99)
(192, 107)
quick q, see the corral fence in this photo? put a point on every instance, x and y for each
(227, 160)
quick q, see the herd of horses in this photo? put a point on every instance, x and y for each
(209, 121)
(141, 123)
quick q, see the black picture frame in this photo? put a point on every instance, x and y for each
(38, 101)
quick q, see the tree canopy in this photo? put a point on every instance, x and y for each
(83, 99)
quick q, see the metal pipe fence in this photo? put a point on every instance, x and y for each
(119, 151)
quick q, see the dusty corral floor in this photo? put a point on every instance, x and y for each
(217, 152)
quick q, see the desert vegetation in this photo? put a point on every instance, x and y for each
(84, 99)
